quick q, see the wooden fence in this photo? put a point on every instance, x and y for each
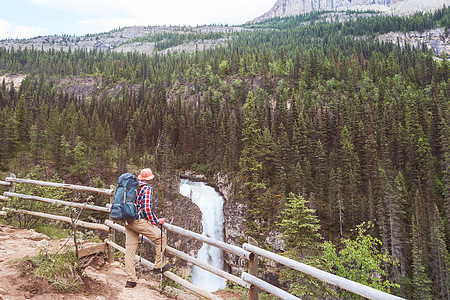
(249, 251)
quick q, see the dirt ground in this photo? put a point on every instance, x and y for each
(104, 281)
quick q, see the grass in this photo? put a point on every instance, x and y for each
(61, 271)
(54, 232)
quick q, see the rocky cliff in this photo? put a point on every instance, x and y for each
(435, 39)
(286, 8)
(179, 211)
(233, 214)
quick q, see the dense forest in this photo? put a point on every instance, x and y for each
(321, 126)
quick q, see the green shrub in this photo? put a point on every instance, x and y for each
(62, 271)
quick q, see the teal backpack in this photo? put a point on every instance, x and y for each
(124, 206)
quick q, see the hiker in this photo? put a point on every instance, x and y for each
(147, 225)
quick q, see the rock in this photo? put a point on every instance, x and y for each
(223, 184)
(36, 236)
(434, 39)
(101, 261)
(178, 294)
(276, 241)
(8, 229)
(234, 227)
(179, 211)
(192, 175)
(2, 291)
(13, 78)
(116, 264)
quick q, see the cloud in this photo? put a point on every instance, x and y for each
(8, 30)
(167, 12)
(79, 17)
(100, 8)
(105, 24)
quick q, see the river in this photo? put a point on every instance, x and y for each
(211, 205)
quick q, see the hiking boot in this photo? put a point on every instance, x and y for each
(130, 284)
(164, 269)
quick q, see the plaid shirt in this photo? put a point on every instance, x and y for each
(144, 202)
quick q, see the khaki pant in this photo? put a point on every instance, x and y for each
(153, 233)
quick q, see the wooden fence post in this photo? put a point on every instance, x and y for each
(253, 270)
(113, 231)
(12, 187)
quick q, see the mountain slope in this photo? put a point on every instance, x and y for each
(285, 8)
(143, 39)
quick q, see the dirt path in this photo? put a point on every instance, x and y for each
(106, 281)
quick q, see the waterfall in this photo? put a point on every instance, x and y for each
(211, 206)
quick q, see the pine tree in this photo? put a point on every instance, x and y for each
(268, 149)
(445, 163)
(22, 119)
(297, 70)
(350, 166)
(233, 145)
(421, 284)
(300, 225)
(440, 257)
(321, 187)
(284, 159)
(53, 136)
(35, 142)
(300, 229)
(253, 192)
(393, 220)
(81, 165)
(9, 138)
(340, 200)
(370, 174)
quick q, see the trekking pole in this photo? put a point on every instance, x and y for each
(162, 259)
(141, 241)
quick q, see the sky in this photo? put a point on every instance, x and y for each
(31, 18)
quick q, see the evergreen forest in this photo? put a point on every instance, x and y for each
(329, 136)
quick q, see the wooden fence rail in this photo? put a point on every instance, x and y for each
(188, 258)
(268, 287)
(221, 245)
(81, 188)
(170, 275)
(58, 202)
(60, 218)
(340, 282)
(3, 198)
(249, 252)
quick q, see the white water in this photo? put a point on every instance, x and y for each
(211, 206)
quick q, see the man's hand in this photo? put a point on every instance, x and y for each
(161, 221)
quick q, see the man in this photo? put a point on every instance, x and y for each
(147, 225)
